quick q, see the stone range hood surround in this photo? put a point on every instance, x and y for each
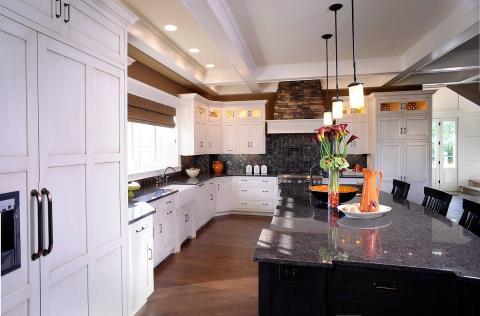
(298, 108)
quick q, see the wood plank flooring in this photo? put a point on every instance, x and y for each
(213, 274)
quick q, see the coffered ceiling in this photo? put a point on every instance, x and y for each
(254, 44)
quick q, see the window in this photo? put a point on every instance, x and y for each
(151, 147)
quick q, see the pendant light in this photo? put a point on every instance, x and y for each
(337, 104)
(355, 89)
(327, 116)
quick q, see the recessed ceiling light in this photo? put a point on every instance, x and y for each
(170, 27)
(194, 50)
(209, 65)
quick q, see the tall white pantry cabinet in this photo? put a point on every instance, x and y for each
(403, 139)
(62, 147)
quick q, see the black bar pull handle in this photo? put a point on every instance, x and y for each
(66, 19)
(58, 8)
(38, 198)
(44, 191)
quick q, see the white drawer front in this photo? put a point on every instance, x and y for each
(165, 203)
(256, 181)
(255, 205)
(141, 228)
(265, 193)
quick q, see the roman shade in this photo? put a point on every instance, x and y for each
(141, 110)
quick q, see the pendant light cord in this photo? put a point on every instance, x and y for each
(336, 53)
(353, 48)
(326, 53)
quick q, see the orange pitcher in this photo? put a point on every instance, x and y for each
(371, 190)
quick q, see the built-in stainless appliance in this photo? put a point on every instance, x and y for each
(300, 178)
(10, 212)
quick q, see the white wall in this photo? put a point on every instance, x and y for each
(448, 104)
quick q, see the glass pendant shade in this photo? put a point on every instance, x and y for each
(337, 108)
(357, 99)
(327, 118)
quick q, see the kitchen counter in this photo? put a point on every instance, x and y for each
(203, 178)
(303, 232)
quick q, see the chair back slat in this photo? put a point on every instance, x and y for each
(437, 201)
(400, 189)
(471, 216)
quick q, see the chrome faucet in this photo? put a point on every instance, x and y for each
(165, 177)
(311, 170)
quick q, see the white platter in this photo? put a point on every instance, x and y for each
(383, 210)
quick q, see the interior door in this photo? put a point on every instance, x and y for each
(81, 137)
(20, 288)
(444, 150)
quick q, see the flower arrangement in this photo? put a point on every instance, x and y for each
(333, 142)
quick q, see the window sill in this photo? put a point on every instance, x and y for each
(138, 175)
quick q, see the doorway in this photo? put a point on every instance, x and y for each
(444, 154)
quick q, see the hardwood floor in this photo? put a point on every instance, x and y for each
(214, 274)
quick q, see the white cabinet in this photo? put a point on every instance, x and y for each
(79, 21)
(20, 289)
(405, 161)
(257, 194)
(47, 13)
(403, 137)
(66, 116)
(164, 227)
(206, 195)
(185, 227)
(358, 126)
(225, 193)
(214, 142)
(212, 127)
(251, 137)
(140, 267)
(229, 138)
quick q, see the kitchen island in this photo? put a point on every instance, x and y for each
(313, 261)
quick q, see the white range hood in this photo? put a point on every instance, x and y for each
(299, 126)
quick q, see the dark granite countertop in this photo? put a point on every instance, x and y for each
(304, 232)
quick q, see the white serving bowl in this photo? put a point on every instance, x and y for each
(192, 172)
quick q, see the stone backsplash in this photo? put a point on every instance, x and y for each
(286, 153)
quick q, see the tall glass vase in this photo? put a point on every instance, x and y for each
(333, 184)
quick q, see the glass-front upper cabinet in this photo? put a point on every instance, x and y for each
(228, 113)
(214, 113)
(250, 112)
(408, 105)
(201, 111)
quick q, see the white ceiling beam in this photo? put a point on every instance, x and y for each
(217, 20)
(143, 36)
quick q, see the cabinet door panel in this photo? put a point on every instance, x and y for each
(417, 127)
(229, 138)
(95, 31)
(42, 12)
(20, 289)
(417, 169)
(389, 128)
(361, 130)
(257, 137)
(243, 137)
(215, 138)
(390, 163)
(81, 163)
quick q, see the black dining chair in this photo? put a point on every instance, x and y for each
(400, 189)
(437, 201)
(471, 216)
